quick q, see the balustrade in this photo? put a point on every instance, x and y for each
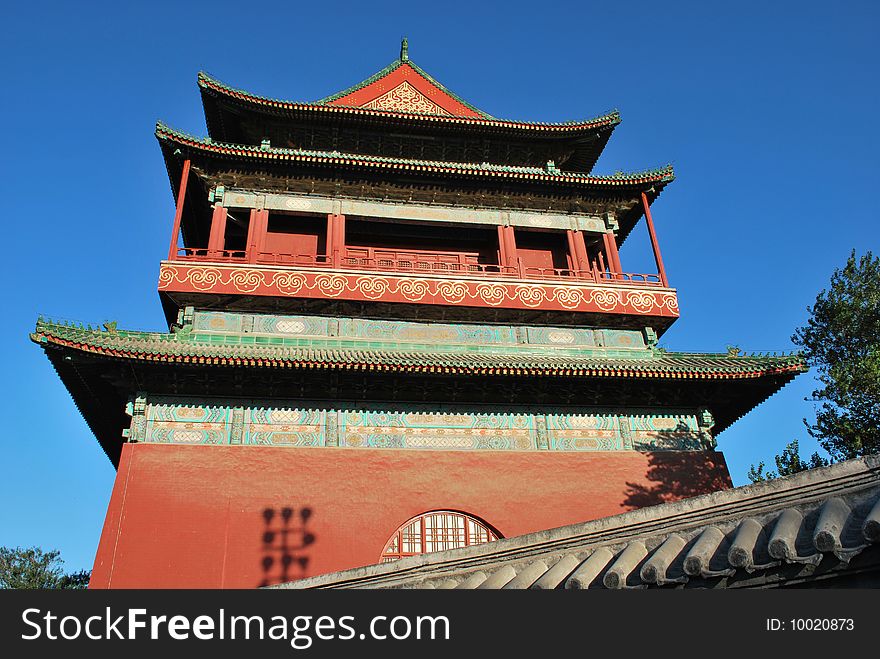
(424, 263)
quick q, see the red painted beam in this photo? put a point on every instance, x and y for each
(655, 246)
(178, 213)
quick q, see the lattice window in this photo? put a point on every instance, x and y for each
(436, 531)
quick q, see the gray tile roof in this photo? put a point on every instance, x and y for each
(815, 525)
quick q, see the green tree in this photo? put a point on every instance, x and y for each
(842, 341)
(76, 580)
(34, 568)
(787, 463)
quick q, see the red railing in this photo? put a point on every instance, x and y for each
(308, 260)
(203, 254)
(413, 262)
(369, 258)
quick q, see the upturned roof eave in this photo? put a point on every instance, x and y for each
(211, 86)
(655, 177)
(101, 400)
(151, 346)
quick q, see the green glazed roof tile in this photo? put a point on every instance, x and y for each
(166, 134)
(183, 348)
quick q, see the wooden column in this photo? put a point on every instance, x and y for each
(216, 239)
(656, 247)
(612, 240)
(335, 239)
(339, 236)
(572, 251)
(510, 249)
(253, 230)
(502, 248)
(605, 254)
(613, 254)
(261, 231)
(178, 213)
(580, 250)
(328, 242)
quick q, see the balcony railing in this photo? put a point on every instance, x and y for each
(421, 263)
(202, 254)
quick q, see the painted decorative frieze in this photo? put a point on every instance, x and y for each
(165, 420)
(405, 98)
(291, 282)
(174, 423)
(438, 430)
(208, 324)
(665, 432)
(584, 432)
(286, 427)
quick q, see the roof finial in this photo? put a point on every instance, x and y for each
(404, 50)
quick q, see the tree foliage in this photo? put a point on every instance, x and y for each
(33, 568)
(842, 341)
(787, 463)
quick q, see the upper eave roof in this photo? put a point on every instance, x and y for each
(332, 105)
(656, 177)
(181, 348)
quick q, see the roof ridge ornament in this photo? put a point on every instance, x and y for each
(404, 50)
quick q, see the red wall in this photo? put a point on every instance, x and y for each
(299, 236)
(297, 244)
(542, 250)
(194, 516)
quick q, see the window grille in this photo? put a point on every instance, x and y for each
(436, 531)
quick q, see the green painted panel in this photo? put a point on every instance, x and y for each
(163, 419)
(316, 331)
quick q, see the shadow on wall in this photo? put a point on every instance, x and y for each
(285, 540)
(676, 475)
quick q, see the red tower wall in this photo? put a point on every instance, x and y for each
(195, 516)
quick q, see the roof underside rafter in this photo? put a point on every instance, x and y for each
(548, 175)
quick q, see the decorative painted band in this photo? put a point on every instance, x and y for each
(168, 420)
(292, 282)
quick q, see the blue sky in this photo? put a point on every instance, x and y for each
(767, 110)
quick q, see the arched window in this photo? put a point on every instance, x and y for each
(437, 530)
